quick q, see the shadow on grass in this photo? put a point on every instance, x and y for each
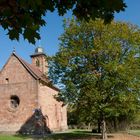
(86, 135)
(70, 135)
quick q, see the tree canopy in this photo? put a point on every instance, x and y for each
(98, 68)
(25, 17)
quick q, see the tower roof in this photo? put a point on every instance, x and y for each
(38, 51)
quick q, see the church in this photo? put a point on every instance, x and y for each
(27, 97)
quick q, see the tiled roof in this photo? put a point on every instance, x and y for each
(35, 72)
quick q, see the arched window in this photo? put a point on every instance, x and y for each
(14, 101)
(37, 63)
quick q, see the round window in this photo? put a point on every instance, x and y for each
(14, 101)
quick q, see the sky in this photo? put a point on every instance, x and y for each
(51, 32)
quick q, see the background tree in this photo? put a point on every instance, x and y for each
(25, 17)
(97, 67)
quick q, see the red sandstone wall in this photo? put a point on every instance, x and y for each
(42, 61)
(24, 86)
(15, 71)
(56, 115)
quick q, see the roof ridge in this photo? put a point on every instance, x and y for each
(35, 72)
(26, 65)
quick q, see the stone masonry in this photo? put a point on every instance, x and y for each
(24, 88)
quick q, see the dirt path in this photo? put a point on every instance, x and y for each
(123, 137)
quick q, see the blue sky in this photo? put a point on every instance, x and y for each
(53, 29)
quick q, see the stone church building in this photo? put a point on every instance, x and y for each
(27, 102)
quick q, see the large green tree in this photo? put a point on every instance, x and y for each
(97, 67)
(25, 17)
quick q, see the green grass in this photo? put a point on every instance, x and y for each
(10, 137)
(73, 134)
(134, 132)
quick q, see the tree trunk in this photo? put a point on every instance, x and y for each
(115, 124)
(104, 134)
(89, 126)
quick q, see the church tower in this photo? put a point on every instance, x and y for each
(39, 60)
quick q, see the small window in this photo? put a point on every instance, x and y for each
(37, 63)
(7, 80)
(14, 101)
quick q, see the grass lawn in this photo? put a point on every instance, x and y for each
(10, 137)
(134, 132)
(72, 134)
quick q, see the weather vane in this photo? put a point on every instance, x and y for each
(14, 49)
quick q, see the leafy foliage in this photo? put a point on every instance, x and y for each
(25, 17)
(98, 68)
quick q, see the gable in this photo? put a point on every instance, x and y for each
(14, 72)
